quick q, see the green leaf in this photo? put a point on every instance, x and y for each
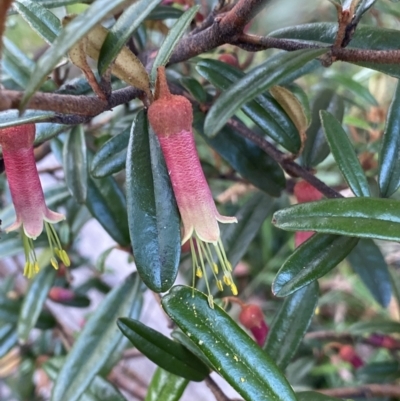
(314, 396)
(378, 372)
(365, 37)
(16, 64)
(8, 338)
(276, 69)
(68, 36)
(99, 389)
(166, 353)
(376, 326)
(34, 300)
(122, 30)
(235, 356)
(237, 237)
(111, 157)
(359, 217)
(368, 262)
(152, 213)
(264, 110)
(165, 12)
(310, 261)
(96, 342)
(344, 154)
(245, 157)
(165, 386)
(316, 148)
(171, 40)
(75, 163)
(41, 20)
(10, 118)
(107, 204)
(389, 156)
(195, 88)
(362, 7)
(290, 324)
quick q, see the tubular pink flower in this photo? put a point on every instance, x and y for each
(171, 117)
(27, 194)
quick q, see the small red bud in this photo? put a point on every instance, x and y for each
(229, 58)
(253, 319)
(348, 354)
(60, 294)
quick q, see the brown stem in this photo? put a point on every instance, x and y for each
(218, 393)
(292, 168)
(366, 391)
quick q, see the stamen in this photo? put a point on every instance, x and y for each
(210, 297)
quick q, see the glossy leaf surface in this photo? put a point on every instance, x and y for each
(166, 353)
(272, 72)
(75, 163)
(368, 262)
(389, 157)
(152, 213)
(290, 324)
(359, 217)
(312, 260)
(165, 386)
(344, 154)
(235, 356)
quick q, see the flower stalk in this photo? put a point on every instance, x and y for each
(32, 214)
(171, 118)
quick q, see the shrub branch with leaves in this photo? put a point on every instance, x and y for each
(255, 123)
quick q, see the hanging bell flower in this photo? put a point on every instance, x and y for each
(171, 118)
(32, 214)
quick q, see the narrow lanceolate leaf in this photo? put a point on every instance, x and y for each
(41, 20)
(358, 217)
(165, 386)
(107, 204)
(96, 342)
(264, 110)
(376, 326)
(316, 148)
(290, 324)
(272, 72)
(122, 30)
(310, 261)
(368, 262)
(111, 157)
(234, 355)
(171, 40)
(245, 157)
(75, 163)
(389, 157)
(365, 37)
(99, 389)
(314, 396)
(10, 118)
(8, 338)
(152, 213)
(33, 301)
(343, 152)
(68, 36)
(164, 352)
(251, 216)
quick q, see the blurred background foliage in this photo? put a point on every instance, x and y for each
(61, 326)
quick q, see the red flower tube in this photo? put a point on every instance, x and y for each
(171, 118)
(27, 195)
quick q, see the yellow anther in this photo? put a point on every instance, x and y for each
(65, 258)
(36, 267)
(54, 263)
(227, 281)
(215, 268)
(210, 301)
(220, 285)
(234, 289)
(199, 273)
